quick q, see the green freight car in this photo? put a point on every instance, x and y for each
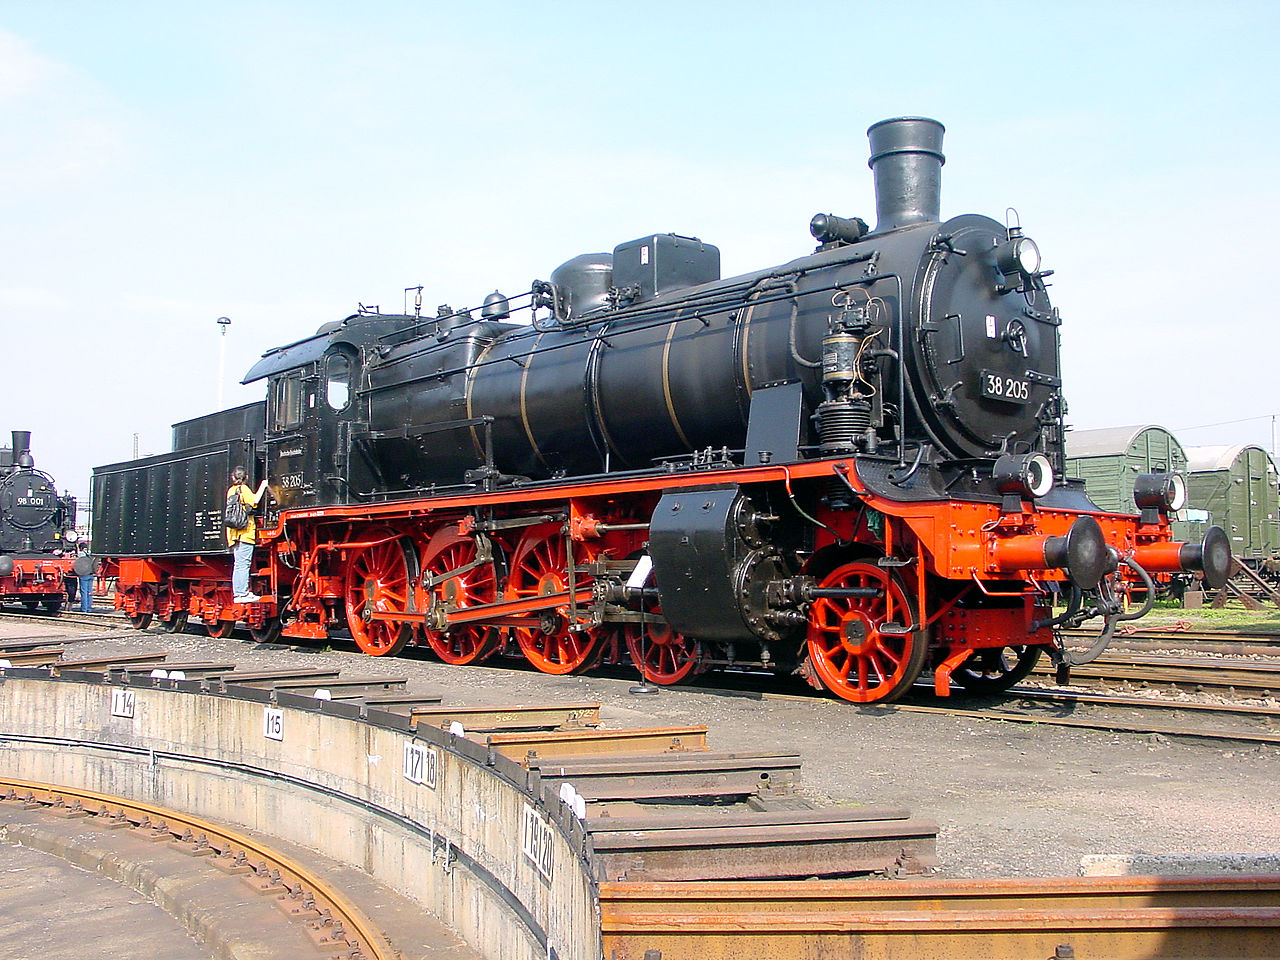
(1110, 459)
(1237, 488)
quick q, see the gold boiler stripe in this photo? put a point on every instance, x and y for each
(595, 359)
(666, 380)
(524, 410)
(471, 380)
(746, 334)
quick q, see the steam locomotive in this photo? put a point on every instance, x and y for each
(849, 466)
(37, 531)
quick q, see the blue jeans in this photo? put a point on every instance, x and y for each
(243, 553)
(86, 594)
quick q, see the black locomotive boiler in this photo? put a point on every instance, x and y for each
(37, 531)
(848, 466)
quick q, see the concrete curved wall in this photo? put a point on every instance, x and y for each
(334, 782)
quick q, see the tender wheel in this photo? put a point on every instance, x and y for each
(450, 550)
(539, 568)
(378, 581)
(850, 655)
(176, 622)
(659, 653)
(996, 669)
(140, 621)
(221, 630)
(269, 632)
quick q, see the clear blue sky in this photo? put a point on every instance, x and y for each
(164, 164)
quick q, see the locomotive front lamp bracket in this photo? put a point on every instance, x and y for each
(1018, 260)
(1022, 476)
(1159, 494)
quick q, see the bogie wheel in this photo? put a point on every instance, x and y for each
(140, 621)
(996, 669)
(176, 622)
(269, 632)
(659, 653)
(847, 649)
(53, 606)
(539, 568)
(221, 629)
(379, 579)
(450, 550)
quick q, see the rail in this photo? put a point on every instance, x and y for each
(350, 930)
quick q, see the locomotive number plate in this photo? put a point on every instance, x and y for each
(997, 386)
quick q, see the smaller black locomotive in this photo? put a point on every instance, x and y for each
(37, 531)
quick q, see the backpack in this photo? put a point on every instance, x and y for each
(234, 514)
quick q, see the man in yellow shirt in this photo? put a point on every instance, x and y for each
(242, 542)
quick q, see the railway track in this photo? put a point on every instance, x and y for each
(1124, 918)
(1238, 678)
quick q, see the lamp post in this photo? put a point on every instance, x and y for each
(223, 323)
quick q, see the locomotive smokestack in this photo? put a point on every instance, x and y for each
(906, 162)
(22, 449)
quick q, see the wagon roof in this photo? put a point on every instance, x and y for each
(1106, 441)
(1202, 459)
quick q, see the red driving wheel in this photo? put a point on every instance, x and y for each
(661, 654)
(378, 581)
(849, 652)
(539, 568)
(449, 550)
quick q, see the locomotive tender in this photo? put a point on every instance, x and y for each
(37, 531)
(849, 466)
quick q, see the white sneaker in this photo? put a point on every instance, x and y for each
(246, 598)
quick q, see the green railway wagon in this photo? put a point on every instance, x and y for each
(1238, 489)
(1110, 459)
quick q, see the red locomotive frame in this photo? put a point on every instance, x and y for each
(945, 585)
(37, 581)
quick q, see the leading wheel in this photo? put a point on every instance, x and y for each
(539, 568)
(849, 652)
(378, 581)
(269, 632)
(139, 621)
(221, 629)
(659, 653)
(176, 622)
(996, 669)
(450, 551)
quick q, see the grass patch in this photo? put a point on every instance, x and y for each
(1266, 620)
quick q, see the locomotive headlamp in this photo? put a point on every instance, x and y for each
(1018, 258)
(1025, 475)
(1160, 491)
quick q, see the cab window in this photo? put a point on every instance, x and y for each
(338, 381)
(286, 402)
